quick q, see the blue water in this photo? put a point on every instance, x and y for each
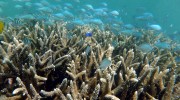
(139, 13)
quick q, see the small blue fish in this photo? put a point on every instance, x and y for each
(177, 59)
(16, 22)
(89, 7)
(145, 47)
(163, 45)
(155, 27)
(114, 13)
(105, 63)
(88, 34)
(88, 49)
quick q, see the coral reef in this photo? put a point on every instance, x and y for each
(54, 63)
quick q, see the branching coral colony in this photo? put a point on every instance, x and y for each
(54, 63)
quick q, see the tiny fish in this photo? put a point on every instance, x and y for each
(88, 49)
(114, 13)
(88, 34)
(95, 21)
(145, 47)
(163, 45)
(18, 6)
(1, 26)
(128, 26)
(59, 15)
(16, 22)
(89, 7)
(155, 27)
(105, 63)
(104, 4)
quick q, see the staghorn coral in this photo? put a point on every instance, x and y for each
(45, 63)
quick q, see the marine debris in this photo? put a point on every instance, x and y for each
(56, 63)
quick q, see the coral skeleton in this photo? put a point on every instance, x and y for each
(43, 62)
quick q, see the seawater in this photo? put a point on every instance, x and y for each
(166, 13)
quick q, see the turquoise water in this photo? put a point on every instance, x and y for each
(165, 13)
(138, 33)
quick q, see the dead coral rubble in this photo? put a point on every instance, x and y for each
(55, 63)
